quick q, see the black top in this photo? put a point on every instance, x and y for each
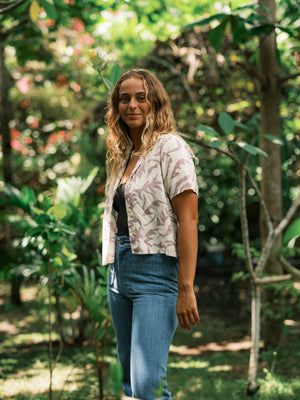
(120, 206)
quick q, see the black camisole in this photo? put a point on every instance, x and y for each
(120, 206)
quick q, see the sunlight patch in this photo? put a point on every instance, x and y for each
(189, 364)
(8, 328)
(218, 368)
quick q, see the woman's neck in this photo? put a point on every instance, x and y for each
(136, 138)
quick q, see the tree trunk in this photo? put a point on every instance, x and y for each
(255, 337)
(15, 291)
(5, 116)
(5, 113)
(271, 185)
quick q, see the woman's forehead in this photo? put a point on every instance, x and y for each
(131, 85)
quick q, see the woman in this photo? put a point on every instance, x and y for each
(149, 230)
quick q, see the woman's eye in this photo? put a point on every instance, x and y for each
(124, 99)
(141, 98)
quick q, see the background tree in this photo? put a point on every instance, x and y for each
(271, 183)
(267, 72)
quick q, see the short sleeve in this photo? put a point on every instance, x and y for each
(177, 165)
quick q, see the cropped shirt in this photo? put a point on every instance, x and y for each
(166, 171)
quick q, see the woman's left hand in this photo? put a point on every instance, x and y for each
(187, 311)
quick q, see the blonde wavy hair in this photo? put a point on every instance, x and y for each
(159, 121)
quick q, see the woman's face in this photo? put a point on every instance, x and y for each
(133, 104)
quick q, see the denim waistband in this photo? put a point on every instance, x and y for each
(122, 239)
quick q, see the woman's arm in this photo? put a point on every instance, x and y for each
(185, 206)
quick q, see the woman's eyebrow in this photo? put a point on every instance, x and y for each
(128, 94)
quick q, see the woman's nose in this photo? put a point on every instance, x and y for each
(132, 103)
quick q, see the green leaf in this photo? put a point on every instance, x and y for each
(58, 261)
(37, 211)
(289, 31)
(100, 331)
(107, 83)
(216, 143)
(226, 123)
(53, 237)
(102, 273)
(216, 35)
(242, 126)
(67, 230)
(251, 149)
(115, 74)
(49, 9)
(117, 377)
(261, 29)
(247, 7)
(208, 129)
(11, 196)
(58, 211)
(206, 21)
(292, 232)
(37, 231)
(68, 191)
(86, 183)
(274, 139)
(239, 30)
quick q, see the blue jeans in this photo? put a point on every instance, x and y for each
(142, 295)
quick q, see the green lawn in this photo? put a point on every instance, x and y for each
(209, 363)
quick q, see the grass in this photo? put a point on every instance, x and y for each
(208, 363)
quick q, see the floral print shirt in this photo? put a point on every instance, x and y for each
(156, 179)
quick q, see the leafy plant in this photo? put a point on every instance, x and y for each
(54, 230)
(52, 233)
(91, 293)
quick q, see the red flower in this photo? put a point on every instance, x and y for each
(15, 144)
(87, 39)
(61, 134)
(14, 133)
(75, 86)
(68, 137)
(52, 138)
(25, 103)
(77, 24)
(23, 85)
(50, 22)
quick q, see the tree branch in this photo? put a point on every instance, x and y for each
(171, 68)
(273, 234)
(261, 200)
(244, 222)
(269, 280)
(5, 34)
(289, 268)
(252, 71)
(288, 77)
(12, 6)
(207, 146)
(265, 254)
(288, 216)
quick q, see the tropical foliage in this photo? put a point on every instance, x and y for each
(59, 60)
